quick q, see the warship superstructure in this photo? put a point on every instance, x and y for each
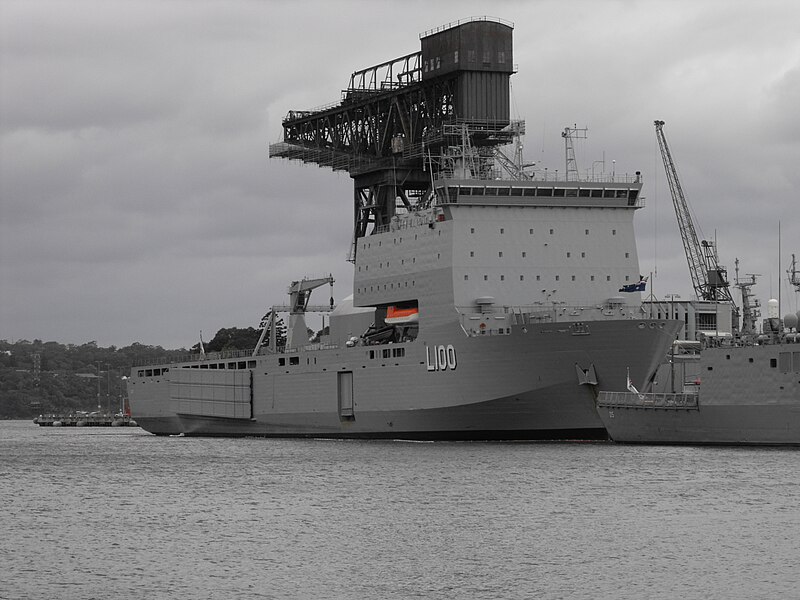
(489, 301)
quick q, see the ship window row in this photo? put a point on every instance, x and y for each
(556, 278)
(366, 245)
(387, 353)
(402, 262)
(540, 192)
(386, 287)
(524, 254)
(152, 372)
(242, 364)
(551, 231)
(295, 360)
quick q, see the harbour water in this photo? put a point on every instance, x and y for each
(118, 513)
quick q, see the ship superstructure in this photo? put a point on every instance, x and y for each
(489, 300)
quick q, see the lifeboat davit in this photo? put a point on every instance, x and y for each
(401, 316)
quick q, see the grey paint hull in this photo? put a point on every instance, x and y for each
(731, 425)
(517, 386)
(747, 395)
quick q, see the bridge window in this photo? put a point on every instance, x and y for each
(558, 192)
(294, 360)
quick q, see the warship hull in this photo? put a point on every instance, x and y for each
(746, 396)
(537, 381)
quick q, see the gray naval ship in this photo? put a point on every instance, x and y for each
(490, 300)
(727, 389)
(735, 386)
(740, 395)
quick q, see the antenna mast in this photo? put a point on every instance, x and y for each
(794, 275)
(569, 134)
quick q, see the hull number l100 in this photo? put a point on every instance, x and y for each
(441, 358)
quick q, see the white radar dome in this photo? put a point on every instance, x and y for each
(790, 321)
(772, 308)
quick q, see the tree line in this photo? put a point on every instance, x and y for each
(39, 377)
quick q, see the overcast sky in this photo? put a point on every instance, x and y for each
(138, 202)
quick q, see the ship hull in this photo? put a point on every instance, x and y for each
(747, 396)
(523, 385)
(754, 424)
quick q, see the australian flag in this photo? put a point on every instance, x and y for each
(635, 287)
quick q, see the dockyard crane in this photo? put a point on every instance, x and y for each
(708, 277)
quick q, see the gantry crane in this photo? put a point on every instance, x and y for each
(709, 279)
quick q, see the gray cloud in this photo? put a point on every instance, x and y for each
(137, 201)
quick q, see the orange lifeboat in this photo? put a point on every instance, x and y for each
(401, 316)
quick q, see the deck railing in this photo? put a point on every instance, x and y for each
(634, 400)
